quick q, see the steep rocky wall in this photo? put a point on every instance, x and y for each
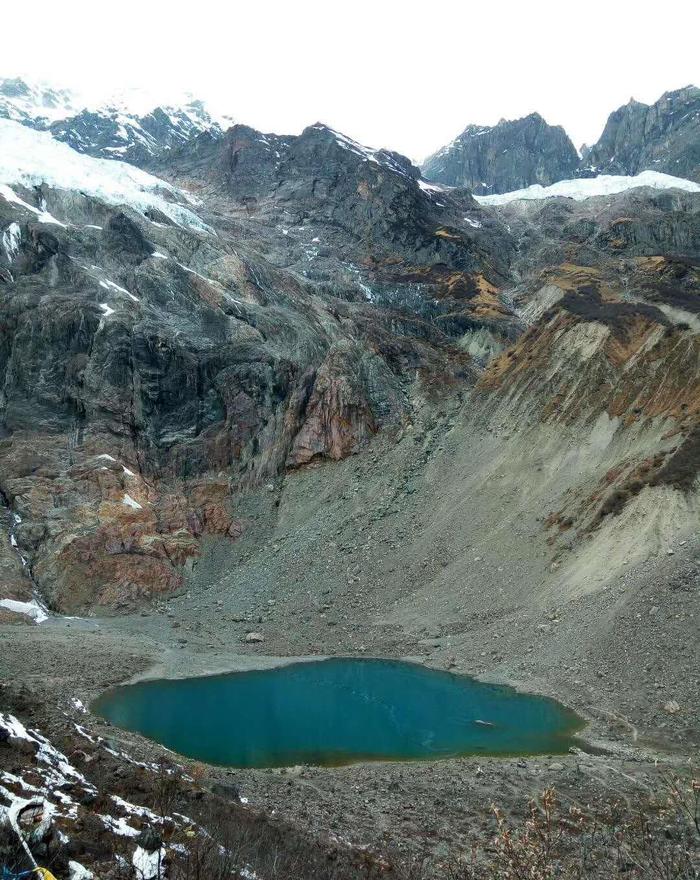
(149, 372)
(511, 155)
(664, 136)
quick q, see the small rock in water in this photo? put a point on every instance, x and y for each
(254, 637)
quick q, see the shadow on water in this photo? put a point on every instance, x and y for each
(339, 711)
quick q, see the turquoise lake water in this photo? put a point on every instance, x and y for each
(338, 711)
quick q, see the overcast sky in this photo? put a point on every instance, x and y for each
(390, 74)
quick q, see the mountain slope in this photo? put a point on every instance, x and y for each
(179, 350)
(164, 352)
(508, 156)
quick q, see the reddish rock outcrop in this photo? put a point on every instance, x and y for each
(338, 418)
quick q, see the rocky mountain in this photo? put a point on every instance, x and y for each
(278, 301)
(516, 154)
(664, 136)
(504, 157)
(108, 131)
(114, 133)
(252, 313)
(35, 105)
(283, 386)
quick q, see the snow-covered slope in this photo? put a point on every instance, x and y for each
(130, 126)
(30, 158)
(35, 103)
(586, 188)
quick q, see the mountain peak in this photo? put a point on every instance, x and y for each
(663, 136)
(513, 154)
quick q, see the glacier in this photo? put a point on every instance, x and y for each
(588, 187)
(29, 158)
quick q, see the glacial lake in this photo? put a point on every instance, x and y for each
(338, 711)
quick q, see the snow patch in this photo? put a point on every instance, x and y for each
(11, 238)
(11, 196)
(119, 826)
(58, 769)
(115, 288)
(79, 872)
(130, 502)
(31, 609)
(192, 272)
(148, 865)
(430, 187)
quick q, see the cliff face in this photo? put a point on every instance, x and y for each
(153, 366)
(664, 136)
(506, 157)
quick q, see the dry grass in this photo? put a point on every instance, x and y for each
(657, 838)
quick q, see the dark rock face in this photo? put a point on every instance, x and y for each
(664, 136)
(511, 155)
(370, 204)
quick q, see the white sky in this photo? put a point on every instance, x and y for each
(388, 73)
